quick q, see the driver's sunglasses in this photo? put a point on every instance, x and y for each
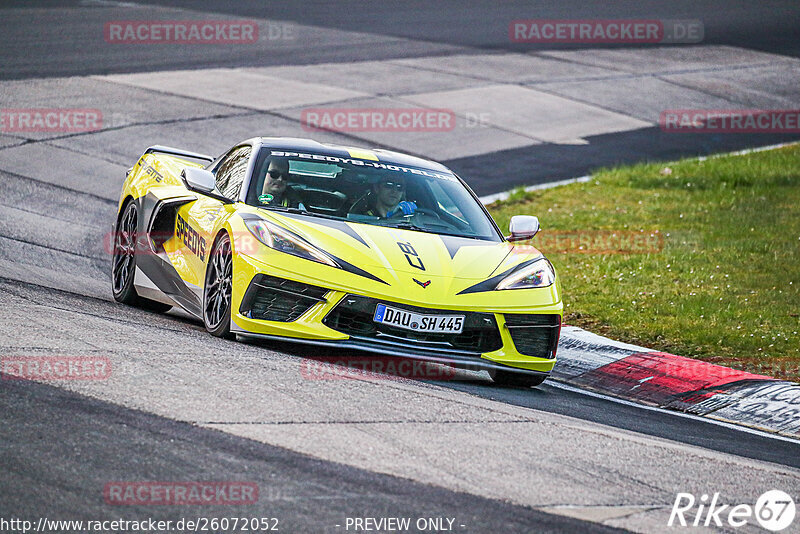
(275, 174)
(394, 185)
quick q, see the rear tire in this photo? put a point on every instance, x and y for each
(218, 287)
(123, 264)
(514, 379)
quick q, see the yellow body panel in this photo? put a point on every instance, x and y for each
(371, 248)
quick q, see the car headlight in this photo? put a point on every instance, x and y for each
(281, 239)
(540, 273)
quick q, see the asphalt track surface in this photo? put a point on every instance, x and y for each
(64, 38)
(184, 406)
(444, 28)
(102, 442)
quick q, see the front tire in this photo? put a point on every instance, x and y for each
(515, 379)
(218, 286)
(123, 265)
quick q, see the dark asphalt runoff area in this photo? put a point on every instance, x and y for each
(54, 42)
(60, 449)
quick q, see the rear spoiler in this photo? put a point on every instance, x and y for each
(158, 149)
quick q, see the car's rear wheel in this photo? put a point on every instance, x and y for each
(123, 266)
(217, 292)
(515, 379)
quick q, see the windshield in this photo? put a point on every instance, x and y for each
(369, 192)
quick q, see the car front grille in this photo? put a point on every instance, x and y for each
(271, 298)
(534, 334)
(354, 314)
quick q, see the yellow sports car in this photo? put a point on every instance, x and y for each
(292, 239)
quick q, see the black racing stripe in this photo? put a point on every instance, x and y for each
(342, 226)
(454, 243)
(163, 274)
(350, 268)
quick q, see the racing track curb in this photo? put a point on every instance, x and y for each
(600, 364)
(639, 374)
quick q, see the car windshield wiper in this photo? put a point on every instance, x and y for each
(405, 225)
(300, 211)
(285, 209)
(465, 236)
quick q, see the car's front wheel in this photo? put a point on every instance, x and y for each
(123, 266)
(217, 292)
(513, 378)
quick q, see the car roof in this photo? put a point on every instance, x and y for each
(297, 144)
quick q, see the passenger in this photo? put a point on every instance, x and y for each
(276, 190)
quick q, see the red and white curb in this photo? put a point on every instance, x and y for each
(596, 363)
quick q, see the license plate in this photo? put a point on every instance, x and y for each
(440, 324)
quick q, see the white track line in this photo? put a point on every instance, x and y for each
(748, 151)
(488, 199)
(732, 426)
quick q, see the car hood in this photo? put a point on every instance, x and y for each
(375, 248)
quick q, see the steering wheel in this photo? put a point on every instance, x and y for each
(426, 211)
(442, 223)
(423, 211)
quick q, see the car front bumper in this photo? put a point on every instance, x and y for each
(300, 309)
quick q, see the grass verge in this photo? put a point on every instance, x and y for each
(696, 258)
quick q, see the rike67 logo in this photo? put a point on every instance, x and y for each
(774, 510)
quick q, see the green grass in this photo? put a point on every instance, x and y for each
(725, 287)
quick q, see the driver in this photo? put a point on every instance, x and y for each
(276, 191)
(385, 199)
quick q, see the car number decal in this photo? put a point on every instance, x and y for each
(411, 255)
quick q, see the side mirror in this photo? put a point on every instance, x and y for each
(199, 180)
(523, 227)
